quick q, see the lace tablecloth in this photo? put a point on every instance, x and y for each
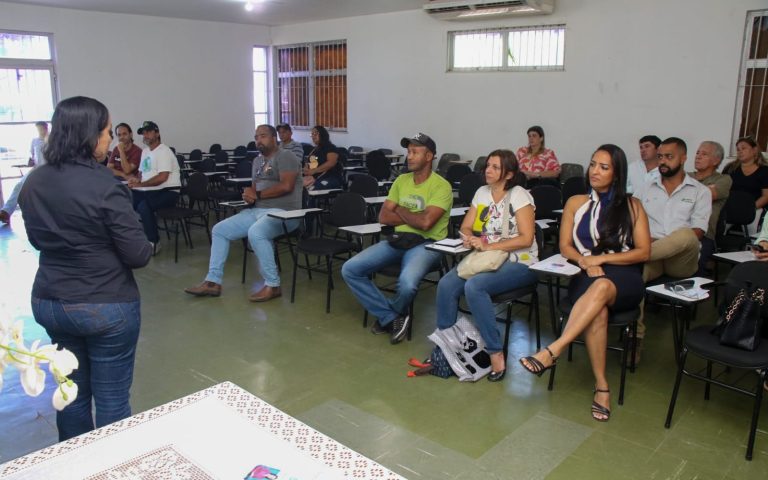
(221, 432)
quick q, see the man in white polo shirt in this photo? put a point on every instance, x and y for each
(678, 209)
(646, 169)
(160, 184)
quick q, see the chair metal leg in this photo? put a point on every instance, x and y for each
(624, 351)
(245, 259)
(309, 268)
(755, 415)
(535, 298)
(507, 328)
(293, 280)
(176, 245)
(167, 232)
(410, 324)
(187, 232)
(676, 389)
(207, 228)
(708, 385)
(329, 286)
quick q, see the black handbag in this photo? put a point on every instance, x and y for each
(739, 323)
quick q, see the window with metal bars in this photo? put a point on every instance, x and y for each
(536, 48)
(312, 84)
(751, 114)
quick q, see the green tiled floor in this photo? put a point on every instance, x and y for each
(329, 372)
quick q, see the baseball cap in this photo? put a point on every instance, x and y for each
(148, 125)
(421, 140)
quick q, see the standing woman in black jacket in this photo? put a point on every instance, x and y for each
(82, 221)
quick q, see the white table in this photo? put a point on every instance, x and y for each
(320, 193)
(459, 211)
(676, 300)
(366, 229)
(293, 214)
(246, 180)
(221, 432)
(735, 257)
(375, 200)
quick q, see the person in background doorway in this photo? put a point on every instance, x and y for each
(36, 159)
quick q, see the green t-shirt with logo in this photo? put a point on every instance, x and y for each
(435, 191)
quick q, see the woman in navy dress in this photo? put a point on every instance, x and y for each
(606, 233)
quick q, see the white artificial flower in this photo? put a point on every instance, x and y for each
(65, 394)
(33, 380)
(17, 334)
(5, 340)
(62, 362)
(32, 377)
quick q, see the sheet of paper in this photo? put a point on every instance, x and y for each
(556, 264)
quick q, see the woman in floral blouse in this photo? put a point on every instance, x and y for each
(536, 161)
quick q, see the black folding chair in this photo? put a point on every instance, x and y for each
(197, 192)
(347, 209)
(701, 342)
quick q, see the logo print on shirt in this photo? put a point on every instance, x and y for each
(414, 203)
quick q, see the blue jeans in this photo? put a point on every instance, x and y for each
(415, 264)
(13, 199)
(147, 202)
(261, 230)
(478, 291)
(103, 337)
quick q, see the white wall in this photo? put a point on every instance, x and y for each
(193, 78)
(633, 67)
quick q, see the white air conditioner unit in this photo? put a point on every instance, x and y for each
(482, 9)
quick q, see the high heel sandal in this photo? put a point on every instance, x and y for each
(497, 376)
(537, 368)
(598, 409)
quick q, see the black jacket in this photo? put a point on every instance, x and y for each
(82, 220)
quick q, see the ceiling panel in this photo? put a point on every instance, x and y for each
(265, 12)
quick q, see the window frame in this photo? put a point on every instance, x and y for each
(268, 83)
(311, 74)
(505, 33)
(34, 64)
(744, 66)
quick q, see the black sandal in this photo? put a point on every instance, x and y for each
(537, 368)
(598, 409)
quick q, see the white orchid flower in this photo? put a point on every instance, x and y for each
(17, 334)
(62, 362)
(33, 381)
(32, 376)
(65, 394)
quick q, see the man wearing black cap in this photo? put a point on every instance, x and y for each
(418, 206)
(160, 184)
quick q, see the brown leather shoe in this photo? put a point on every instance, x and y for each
(205, 289)
(266, 293)
(5, 217)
